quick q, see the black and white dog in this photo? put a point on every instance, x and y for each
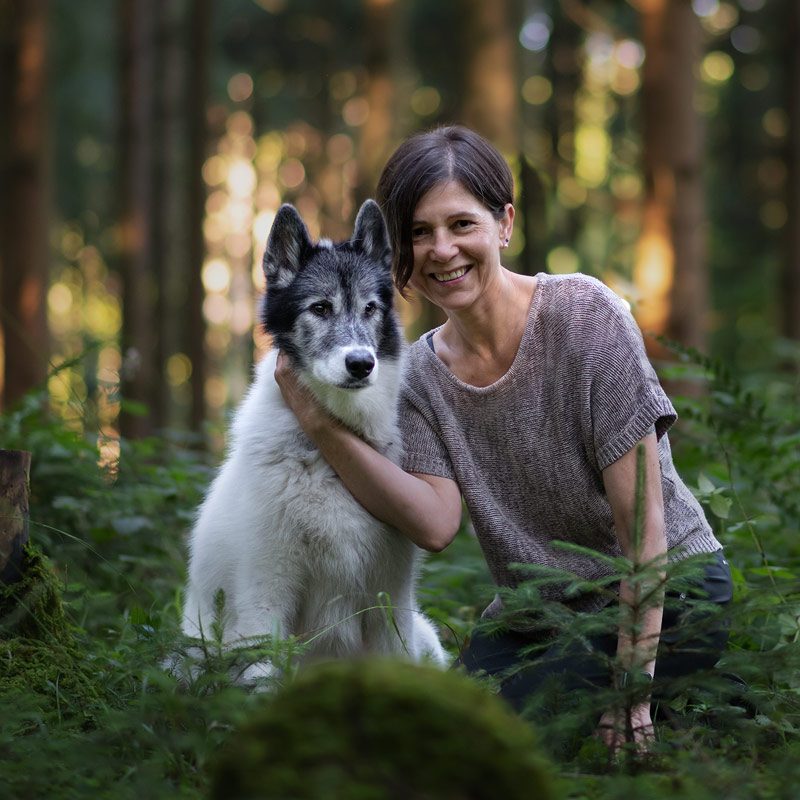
(278, 532)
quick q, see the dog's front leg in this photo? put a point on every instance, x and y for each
(264, 618)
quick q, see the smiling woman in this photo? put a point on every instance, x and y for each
(533, 401)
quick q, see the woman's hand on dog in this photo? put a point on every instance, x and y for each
(310, 414)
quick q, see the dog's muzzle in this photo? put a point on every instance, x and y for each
(359, 363)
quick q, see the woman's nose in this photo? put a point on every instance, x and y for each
(442, 248)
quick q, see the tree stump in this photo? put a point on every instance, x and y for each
(15, 467)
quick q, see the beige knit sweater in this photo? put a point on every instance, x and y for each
(527, 451)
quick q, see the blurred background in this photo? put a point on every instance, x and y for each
(145, 146)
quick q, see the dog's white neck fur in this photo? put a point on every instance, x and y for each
(368, 412)
(365, 411)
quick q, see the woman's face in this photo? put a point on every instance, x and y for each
(456, 246)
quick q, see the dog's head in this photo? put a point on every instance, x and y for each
(329, 306)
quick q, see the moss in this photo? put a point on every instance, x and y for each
(31, 607)
(43, 673)
(382, 730)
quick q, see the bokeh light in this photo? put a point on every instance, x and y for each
(535, 32)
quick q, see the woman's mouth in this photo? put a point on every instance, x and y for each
(447, 277)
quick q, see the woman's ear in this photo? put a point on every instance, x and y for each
(506, 225)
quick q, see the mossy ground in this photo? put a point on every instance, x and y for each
(383, 730)
(44, 670)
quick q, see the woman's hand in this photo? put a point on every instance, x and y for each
(425, 508)
(613, 729)
(310, 414)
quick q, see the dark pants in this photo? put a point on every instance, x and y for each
(686, 645)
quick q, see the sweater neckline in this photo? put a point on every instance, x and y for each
(519, 358)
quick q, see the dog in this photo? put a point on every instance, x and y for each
(278, 532)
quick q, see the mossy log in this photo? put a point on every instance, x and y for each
(15, 467)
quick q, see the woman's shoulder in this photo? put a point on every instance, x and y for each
(419, 370)
(578, 290)
(418, 350)
(580, 304)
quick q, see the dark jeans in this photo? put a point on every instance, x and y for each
(692, 639)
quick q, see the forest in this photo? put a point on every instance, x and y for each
(145, 148)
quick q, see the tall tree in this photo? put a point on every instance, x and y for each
(671, 271)
(23, 195)
(139, 207)
(563, 68)
(490, 90)
(790, 294)
(383, 35)
(197, 81)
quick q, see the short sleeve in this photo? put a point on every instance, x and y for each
(423, 449)
(626, 398)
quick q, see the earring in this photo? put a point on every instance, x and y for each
(504, 244)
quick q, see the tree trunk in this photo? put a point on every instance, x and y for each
(15, 468)
(563, 67)
(378, 133)
(23, 197)
(790, 283)
(196, 99)
(163, 227)
(490, 105)
(671, 272)
(138, 203)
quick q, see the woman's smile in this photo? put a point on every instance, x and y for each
(452, 276)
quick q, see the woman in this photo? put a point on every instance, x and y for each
(530, 402)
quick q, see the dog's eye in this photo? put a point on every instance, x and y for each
(321, 309)
(370, 308)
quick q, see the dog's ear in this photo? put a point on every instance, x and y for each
(370, 234)
(287, 248)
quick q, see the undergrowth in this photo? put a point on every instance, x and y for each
(88, 710)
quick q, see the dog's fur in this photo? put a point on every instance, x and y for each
(278, 532)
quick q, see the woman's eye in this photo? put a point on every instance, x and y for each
(463, 224)
(417, 233)
(320, 309)
(370, 308)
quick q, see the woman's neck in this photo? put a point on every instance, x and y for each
(479, 343)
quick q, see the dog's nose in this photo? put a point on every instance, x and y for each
(359, 363)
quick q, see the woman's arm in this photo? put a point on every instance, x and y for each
(425, 508)
(637, 648)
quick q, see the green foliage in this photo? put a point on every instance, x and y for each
(89, 711)
(116, 532)
(43, 669)
(378, 730)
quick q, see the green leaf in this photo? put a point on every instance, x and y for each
(720, 505)
(139, 616)
(704, 484)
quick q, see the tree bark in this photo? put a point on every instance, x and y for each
(196, 98)
(790, 283)
(23, 197)
(490, 105)
(137, 202)
(378, 132)
(671, 272)
(15, 467)
(563, 66)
